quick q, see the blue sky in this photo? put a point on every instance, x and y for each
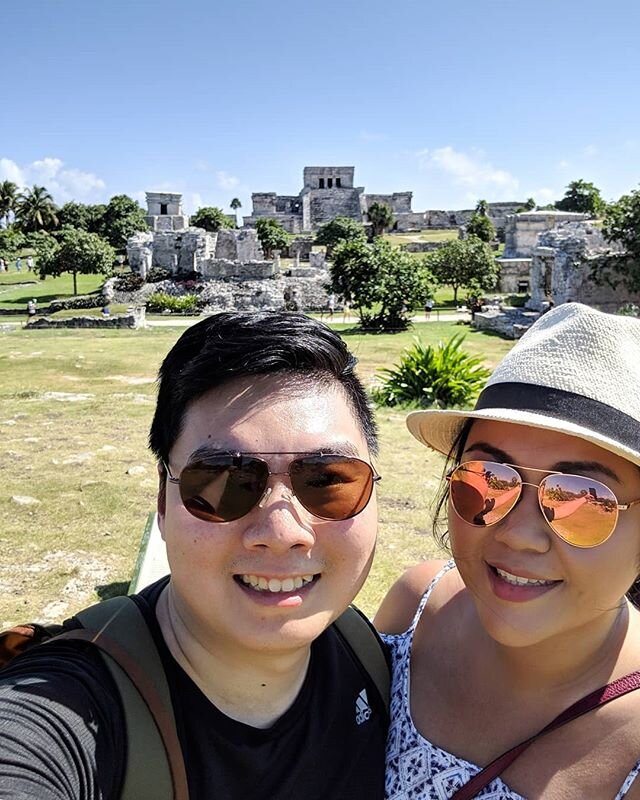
(455, 101)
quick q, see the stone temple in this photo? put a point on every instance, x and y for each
(327, 192)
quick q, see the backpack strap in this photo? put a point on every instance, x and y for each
(155, 766)
(367, 646)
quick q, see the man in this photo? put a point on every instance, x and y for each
(266, 502)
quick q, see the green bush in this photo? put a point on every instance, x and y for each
(441, 376)
(129, 282)
(161, 301)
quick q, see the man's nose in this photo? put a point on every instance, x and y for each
(279, 521)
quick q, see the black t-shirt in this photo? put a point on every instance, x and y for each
(63, 737)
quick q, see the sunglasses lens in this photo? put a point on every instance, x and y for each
(483, 492)
(223, 488)
(580, 510)
(332, 487)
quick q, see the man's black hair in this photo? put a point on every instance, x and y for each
(232, 345)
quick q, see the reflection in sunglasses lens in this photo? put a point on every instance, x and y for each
(580, 510)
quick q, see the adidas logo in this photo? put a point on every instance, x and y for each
(363, 709)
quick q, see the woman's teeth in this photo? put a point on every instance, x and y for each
(274, 584)
(516, 580)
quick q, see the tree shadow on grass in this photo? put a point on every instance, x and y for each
(107, 590)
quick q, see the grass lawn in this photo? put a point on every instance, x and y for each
(75, 408)
(18, 288)
(441, 235)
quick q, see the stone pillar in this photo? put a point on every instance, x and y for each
(145, 262)
(297, 258)
(276, 262)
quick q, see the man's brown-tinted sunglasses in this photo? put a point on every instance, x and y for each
(225, 486)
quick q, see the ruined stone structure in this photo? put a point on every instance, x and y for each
(327, 193)
(228, 266)
(164, 212)
(562, 267)
(522, 230)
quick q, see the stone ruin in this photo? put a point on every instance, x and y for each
(228, 267)
(563, 264)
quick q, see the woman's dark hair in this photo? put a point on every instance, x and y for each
(232, 345)
(441, 501)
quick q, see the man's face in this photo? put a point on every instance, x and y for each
(213, 565)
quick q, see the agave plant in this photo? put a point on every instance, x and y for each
(442, 376)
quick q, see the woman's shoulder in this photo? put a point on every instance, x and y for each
(398, 608)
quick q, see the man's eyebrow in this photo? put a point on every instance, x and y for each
(205, 451)
(560, 466)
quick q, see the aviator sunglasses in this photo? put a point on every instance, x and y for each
(580, 510)
(225, 486)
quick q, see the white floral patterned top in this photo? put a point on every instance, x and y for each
(417, 769)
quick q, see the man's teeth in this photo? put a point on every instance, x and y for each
(274, 584)
(516, 580)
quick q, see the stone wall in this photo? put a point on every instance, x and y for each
(562, 265)
(247, 270)
(522, 230)
(319, 177)
(327, 204)
(421, 247)
(514, 274)
(398, 202)
(133, 320)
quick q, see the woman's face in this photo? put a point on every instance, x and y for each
(529, 585)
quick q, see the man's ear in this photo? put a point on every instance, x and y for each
(161, 500)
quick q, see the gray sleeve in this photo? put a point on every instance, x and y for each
(62, 733)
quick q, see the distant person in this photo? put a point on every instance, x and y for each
(331, 304)
(106, 311)
(428, 308)
(29, 263)
(32, 308)
(3, 266)
(18, 264)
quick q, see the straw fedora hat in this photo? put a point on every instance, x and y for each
(575, 371)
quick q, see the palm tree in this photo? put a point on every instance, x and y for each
(8, 200)
(380, 217)
(36, 210)
(482, 208)
(235, 204)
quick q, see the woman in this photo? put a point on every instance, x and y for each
(543, 496)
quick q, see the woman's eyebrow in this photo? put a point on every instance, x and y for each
(586, 466)
(489, 449)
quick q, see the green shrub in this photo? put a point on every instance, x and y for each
(157, 274)
(441, 376)
(161, 301)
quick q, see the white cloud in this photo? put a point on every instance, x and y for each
(590, 151)
(471, 171)
(563, 164)
(64, 183)
(226, 181)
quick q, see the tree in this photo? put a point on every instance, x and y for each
(622, 225)
(340, 229)
(464, 263)
(272, 236)
(583, 197)
(482, 227)
(380, 277)
(210, 218)
(76, 252)
(530, 204)
(235, 204)
(12, 242)
(36, 210)
(122, 217)
(8, 200)
(380, 217)
(82, 216)
(482, 208)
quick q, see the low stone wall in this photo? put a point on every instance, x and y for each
(421, 247)
(116, 321)
(508, 322)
